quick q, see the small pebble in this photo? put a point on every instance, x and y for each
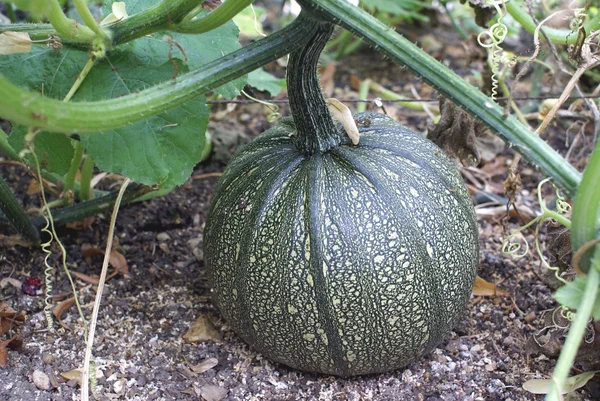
(41, 380)
(163, 237)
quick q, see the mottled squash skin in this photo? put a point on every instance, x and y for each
(353, 261)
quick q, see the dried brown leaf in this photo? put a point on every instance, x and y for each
(83, 224)
(33, 188)
(14, 42)
(10, 281)
(116, 260)
(202, 330)
(483, 288)
(59, 310)
(204, 366)
(13, 343)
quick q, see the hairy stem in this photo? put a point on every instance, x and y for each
(214, 19)
(558, 36)
(161, 17)
(66, 27)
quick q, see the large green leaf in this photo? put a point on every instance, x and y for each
(51, 72)
(161, 149)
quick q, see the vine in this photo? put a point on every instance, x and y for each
(562, 208)
(492, 39)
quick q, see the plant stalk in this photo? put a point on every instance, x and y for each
(401, 50)
(223, 13)
(576, 332)
(558, 36)
(161, 17)
(586, 210)
(32, 109)
(18, 218)
(66, 27)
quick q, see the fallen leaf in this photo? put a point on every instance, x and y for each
(116, 260)
(9, 318)
(33, 188)
(202, 330)
(10, 281)
(95, 279)
(14, 42)
(483, 288)
(204, 366)
(83, 224)
(59, 310)
(13, 343)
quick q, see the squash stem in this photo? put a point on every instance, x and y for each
(315, 129)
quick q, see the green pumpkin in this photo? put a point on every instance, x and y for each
(338, 258)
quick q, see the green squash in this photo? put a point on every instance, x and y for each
(339, 258)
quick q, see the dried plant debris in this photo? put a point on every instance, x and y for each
(13, 343)
(456, 133)
(201, 331)
(484, 11)
(483, 288)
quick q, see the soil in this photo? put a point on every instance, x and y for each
(140, 352)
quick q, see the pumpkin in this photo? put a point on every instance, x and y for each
(338, 258)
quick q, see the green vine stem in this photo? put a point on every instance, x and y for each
(66, 27)
(214, 19)
(586, 209)
(558, 36)
(16, 215)
(577, 330)
(69, 180)
(401, 50)
(88, 18)
(87, 172)
(161, 17)
(32, 109)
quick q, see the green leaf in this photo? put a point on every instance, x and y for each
(51, 72)
(264, 81)
(161, 149)
(45, 70)
(571, 294)
(54, 151)
(248, 23)
(193, 50)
